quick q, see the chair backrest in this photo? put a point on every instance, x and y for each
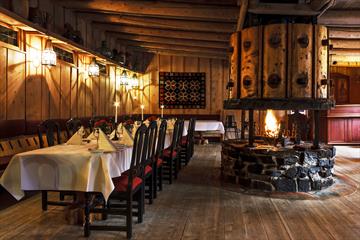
(180, 132)
(191, 130)
(72, 126)
(178, 127)
(161, 138)
(230, 121)
(49, 127)
(141, 142)
(152, 129)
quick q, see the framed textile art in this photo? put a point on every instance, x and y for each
(182, 90)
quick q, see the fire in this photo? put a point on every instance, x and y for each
(272, 127)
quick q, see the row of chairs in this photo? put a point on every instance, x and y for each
(151, 164)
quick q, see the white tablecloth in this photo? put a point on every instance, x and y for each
(207, 125)
(65, 168)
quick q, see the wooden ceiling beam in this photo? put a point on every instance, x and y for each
(162, 46)
(165, 33)
(344, 18)
(169, 40)
(178, 53)
(346, 52)
(281, 9)
(319, 5)
(340, 33)
(159, 9)
(172, 24)
(345, 43)
(242, 14)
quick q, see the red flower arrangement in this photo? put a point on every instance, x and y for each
(152, 118)
(129, 122)
(104, 125)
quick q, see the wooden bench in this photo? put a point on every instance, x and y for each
(11, 146)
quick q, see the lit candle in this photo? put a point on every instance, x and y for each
(142, 111)
(116, 104)
(162, 111)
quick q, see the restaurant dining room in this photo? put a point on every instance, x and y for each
(180, 119)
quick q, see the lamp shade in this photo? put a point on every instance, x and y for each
(48, 56)
(94, 69)
(124, 78)
(134, 82)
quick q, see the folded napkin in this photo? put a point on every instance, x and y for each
(76, 139)
(171, 123)
(91, 136)
(105, 143)
(127, 138)
(119, 131)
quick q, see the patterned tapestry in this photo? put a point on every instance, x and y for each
(182, 90)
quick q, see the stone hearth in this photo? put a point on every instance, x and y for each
(287, 169)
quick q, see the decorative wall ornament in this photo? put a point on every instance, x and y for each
(182, 90)
(73, 35)
(104, 50)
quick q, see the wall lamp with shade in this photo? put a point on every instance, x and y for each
(135, 82)
(93, 70)
(124, 78)
(48, 56)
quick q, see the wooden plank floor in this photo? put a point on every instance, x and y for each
(196, 207)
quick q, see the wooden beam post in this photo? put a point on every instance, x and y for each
(159, 23)
(159, 9)
(165, 33)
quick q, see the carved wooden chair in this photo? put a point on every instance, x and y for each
(170, 154)
(128, 187)
(49, 130)
(72, 126)
(187, 143)
(158, 170)
(150, 163)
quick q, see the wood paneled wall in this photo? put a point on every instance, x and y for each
(354, 84)
(34, 92)
(217, 75)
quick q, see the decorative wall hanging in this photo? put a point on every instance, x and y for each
(182, 90)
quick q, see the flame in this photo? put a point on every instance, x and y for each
(272, 127)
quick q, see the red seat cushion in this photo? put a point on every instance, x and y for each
(148, 169)
(183, 140)
(167, 153)
(121, 183)
(159, 162)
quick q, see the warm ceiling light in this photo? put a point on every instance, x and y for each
(134, 82)
(48, 56)
(124, 78)
(93, 70)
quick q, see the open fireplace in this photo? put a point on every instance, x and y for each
(282, 67)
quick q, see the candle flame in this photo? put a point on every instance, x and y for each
(272, 127)
(116, 104)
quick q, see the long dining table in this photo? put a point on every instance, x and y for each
(66, 167)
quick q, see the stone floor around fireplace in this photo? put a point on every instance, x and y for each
(285, 169)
